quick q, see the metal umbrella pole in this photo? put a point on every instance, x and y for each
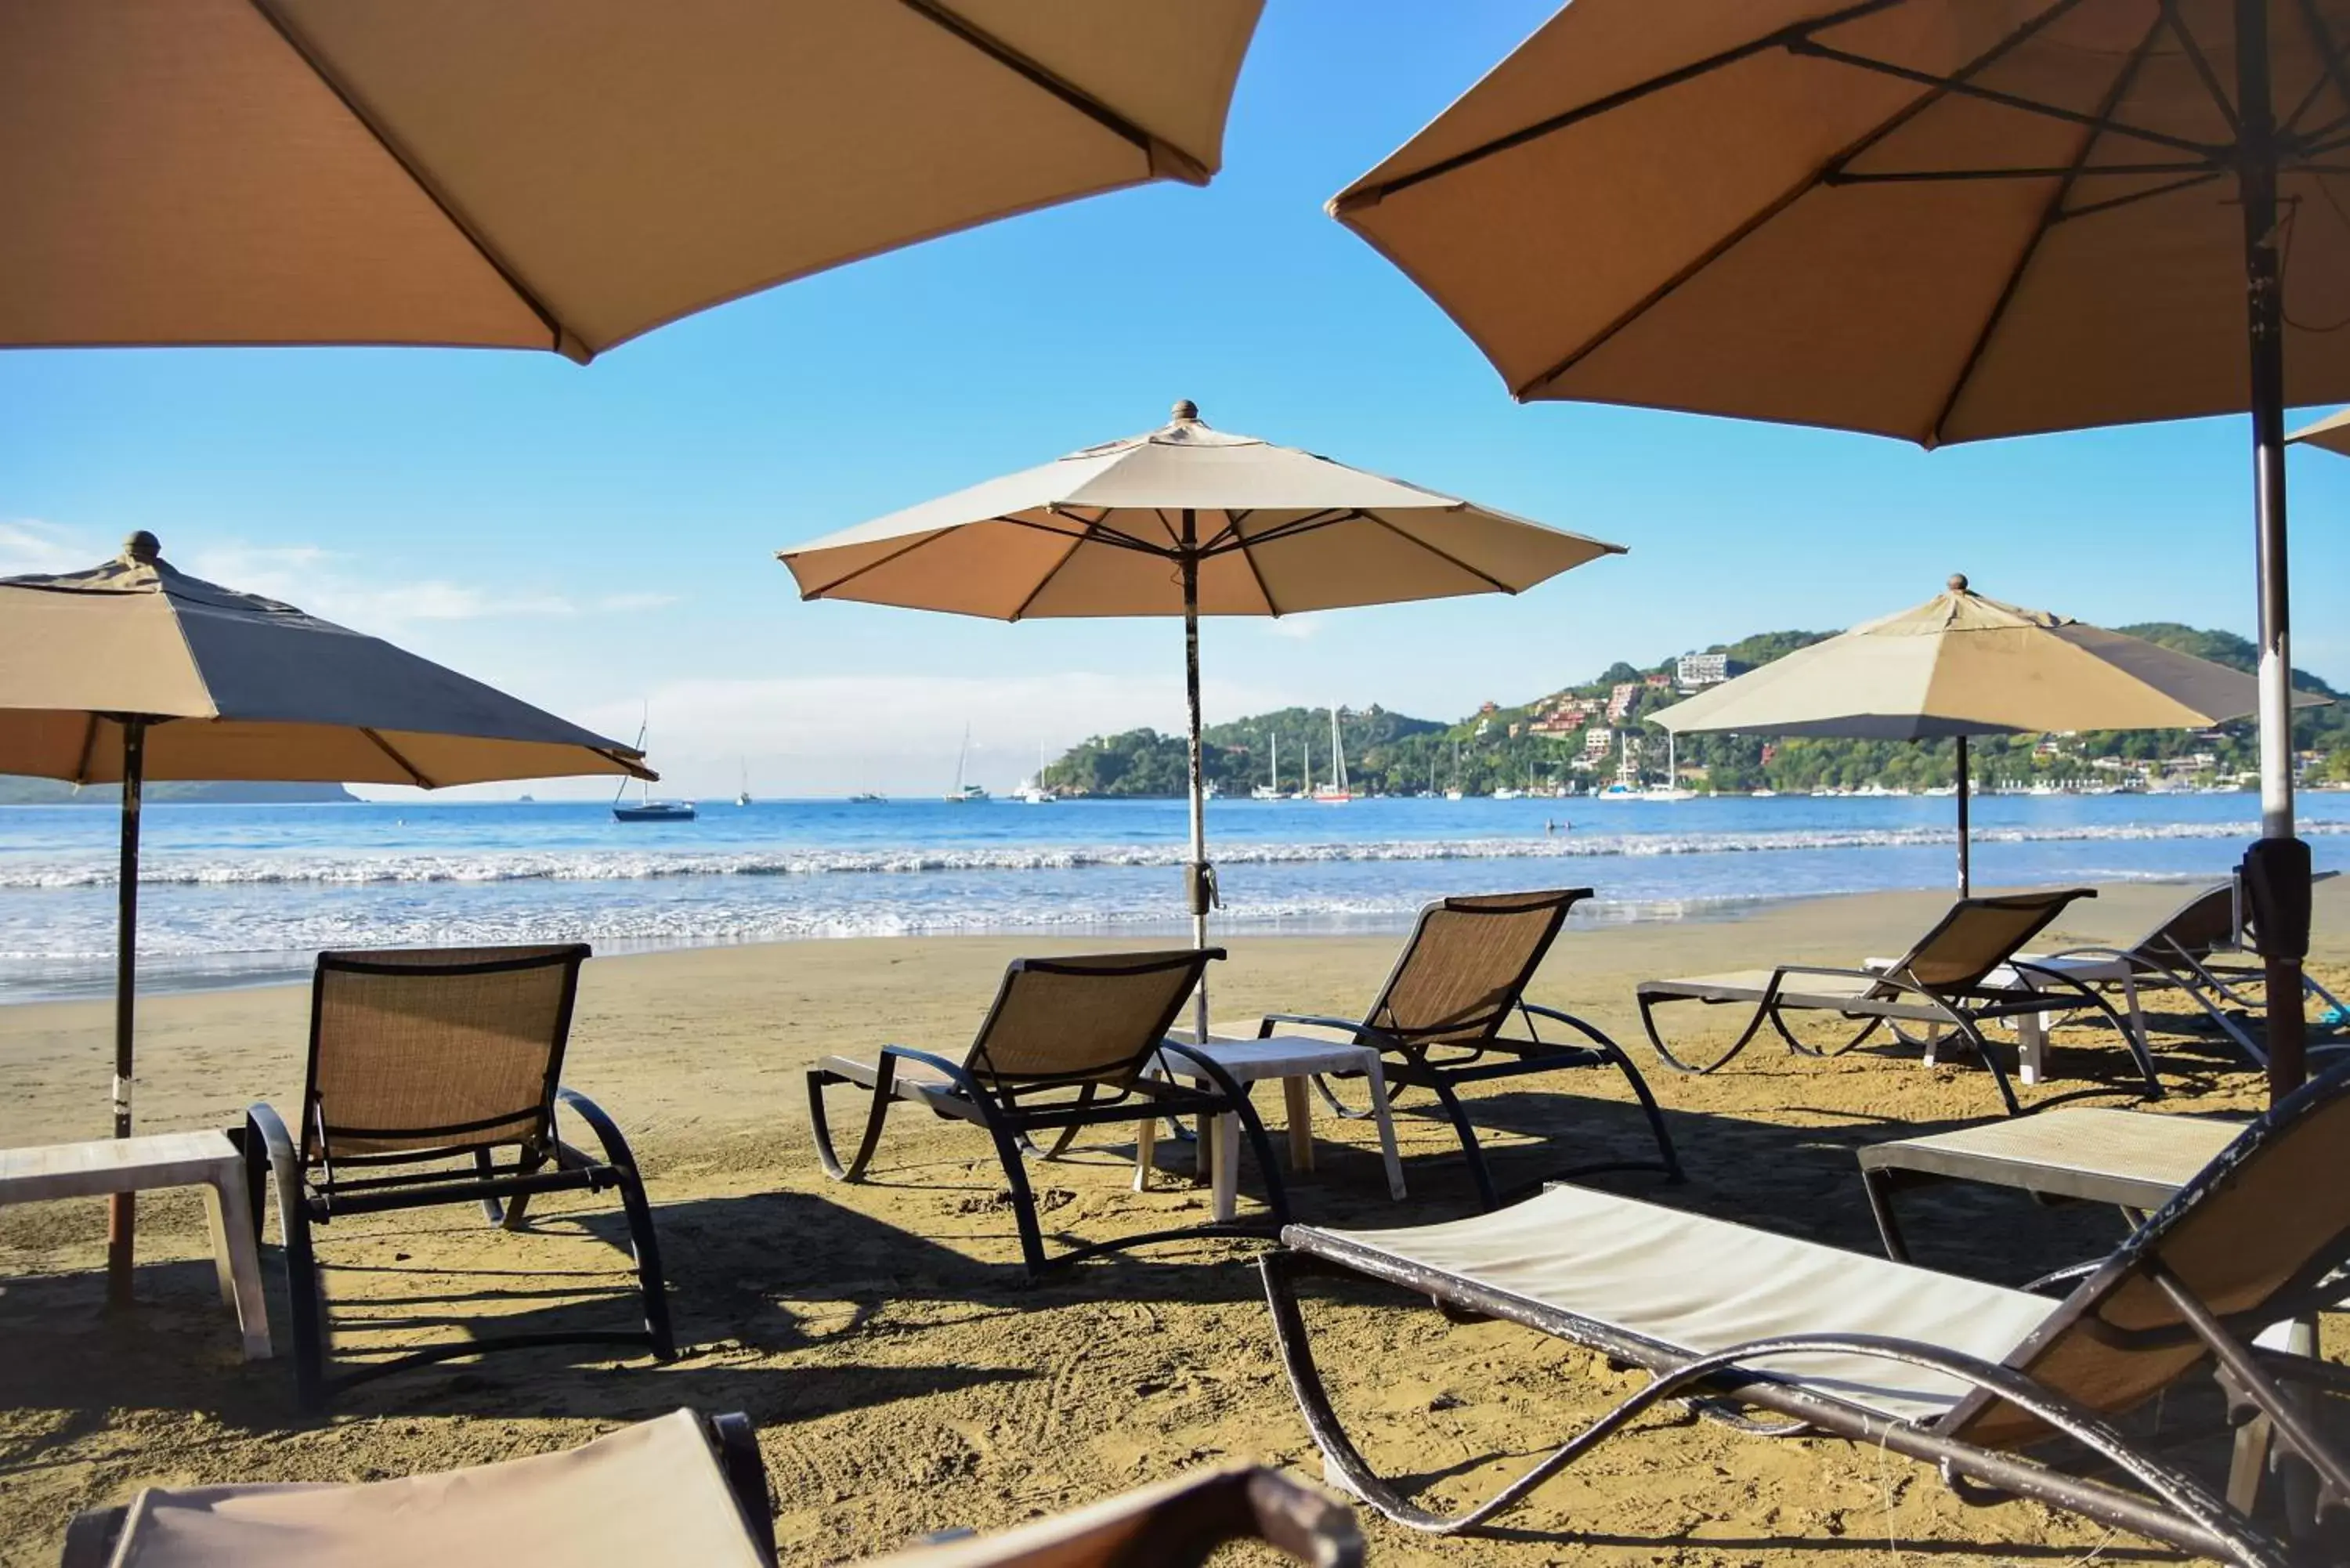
(1965, 871)
(2276, 870)
(1199, 882)
(122, 1214)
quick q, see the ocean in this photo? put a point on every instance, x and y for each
(238, 894)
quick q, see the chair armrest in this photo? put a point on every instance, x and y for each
(1364, 1034)
(607, 1132)
(736, 1445)
(959, 1074)
(1589, 1031)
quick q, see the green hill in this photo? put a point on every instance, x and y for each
(1545, 741)
(15, 790)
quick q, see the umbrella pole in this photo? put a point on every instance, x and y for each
(1965, 887)
(121, 1215)
(1198, 886)
(2264, 301)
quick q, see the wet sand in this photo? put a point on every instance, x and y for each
(903, 1375)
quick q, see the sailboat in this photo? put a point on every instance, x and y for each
(1335, 792)
(1454, 791)
(647, 808)
(1671, 788)
(1271, 791)
(964, 793)
(1031, 791)
(742, 796)
(1628, 774)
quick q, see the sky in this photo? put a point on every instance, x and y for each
(600, 540)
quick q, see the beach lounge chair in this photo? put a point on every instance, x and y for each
(1063, 1048)
(1961, 975)
(2203, 950)
(425, 1065)
(1439, 1021)
(677, 1489)
(2001, 1389)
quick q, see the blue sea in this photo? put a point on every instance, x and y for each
(232, 895)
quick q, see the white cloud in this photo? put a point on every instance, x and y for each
(28, 545)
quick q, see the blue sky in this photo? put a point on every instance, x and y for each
(599, 538)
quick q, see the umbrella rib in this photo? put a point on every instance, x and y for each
(1074, 96)
(557, 333)
(2334, 72)
(845, 577)
(2090, 208)
(1372, 194)
(1308, 524)
(2050, 214)
(1450, 559)
(1099, 530)
(414, 777)
(1045, 579)
(2202, 63)
(1786, 199)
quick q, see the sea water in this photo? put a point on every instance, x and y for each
(240, 894)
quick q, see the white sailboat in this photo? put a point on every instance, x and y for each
(964, 793)
(742, 796)
(648, 809)
(1627, 785)
(1031, 791)
(1271, 791)
(1335, 792)
(1671, 788)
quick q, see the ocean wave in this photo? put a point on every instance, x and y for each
(521, 866)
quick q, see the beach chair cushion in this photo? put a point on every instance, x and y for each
(1689, 1285)
(649, 1493)
(1818, 993)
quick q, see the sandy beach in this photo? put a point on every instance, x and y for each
(905, 1377)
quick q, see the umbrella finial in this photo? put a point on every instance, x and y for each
(1187, 412)
(142, 549)
(1958, 582)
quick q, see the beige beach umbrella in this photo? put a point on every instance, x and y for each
(133, 671)
(1961, 665)
(1942, 219)
(1190, 521)
(2330, 434)
(552, 174)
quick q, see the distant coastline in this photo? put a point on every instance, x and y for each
(15, 790)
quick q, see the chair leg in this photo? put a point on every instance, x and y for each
(1487, 1199)
(1648, 1107)
(1648, 1004)
(492, 1210)
(1024, 1201)
(1061, 1144)
(305, 1301)
(651, 1282)
(822, 1130)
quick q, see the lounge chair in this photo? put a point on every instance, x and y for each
(2203, 950)
(424, 1063)
(1063, 1048)
(678, 1489)
(1438, 1020)
(1961, 975)
(1746, 1325)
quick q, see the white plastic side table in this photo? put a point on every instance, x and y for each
(1293, 1059)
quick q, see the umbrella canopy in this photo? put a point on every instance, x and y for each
(133, 671)
(1250, 528)
(557, 175)
(1961, 665)
(1937, 219)
(2332, 433)
(230, 685)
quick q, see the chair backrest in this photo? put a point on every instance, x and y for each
(1095, 1018)
(2250, 1238)
(2198, 928)
(415, 1050)
(1978, 935)
(1466, 963)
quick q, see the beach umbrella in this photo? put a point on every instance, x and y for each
(551, 174)
(134, 670)
(1943, 219)
(2329, 434)
(1187, 521)
(1961, 665)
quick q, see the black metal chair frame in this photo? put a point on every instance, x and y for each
(1895, 998)
(315, 1192)
(1410, 1059)
(2157, 1499)
(1012, 1112)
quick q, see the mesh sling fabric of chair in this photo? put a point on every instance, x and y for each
(1063, 1048)
(1460, 981)
(425, 1066)
(1998, 1388)
(677, 1489)
(1951, 978)
(2200, 949)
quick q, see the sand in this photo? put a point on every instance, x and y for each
(903, 1375)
